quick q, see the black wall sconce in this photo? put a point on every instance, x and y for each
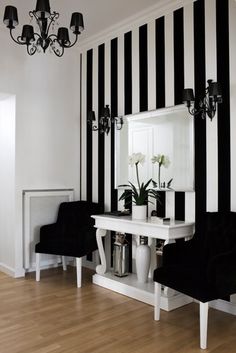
(105, 122)
(206, 106)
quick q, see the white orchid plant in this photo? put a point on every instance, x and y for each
(140, 194)
(161, 160)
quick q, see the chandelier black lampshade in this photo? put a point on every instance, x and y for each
(27, 35)
(43, 8)
(41, 39)
(63, 36)
(77, 23)
(10, 18)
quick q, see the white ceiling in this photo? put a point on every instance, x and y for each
(98, 14)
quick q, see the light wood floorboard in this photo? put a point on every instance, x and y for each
(54, 316)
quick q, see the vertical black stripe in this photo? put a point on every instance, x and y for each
(143, 69)
(101, 104)
(178, 54)
(161, 206)
(128, 71)
(114, 112)
(199, 124)
(128, 205)
(180, 206)
(222, 35)
(160, 62)
(89, 131)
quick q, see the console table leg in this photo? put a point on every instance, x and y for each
(101, 269)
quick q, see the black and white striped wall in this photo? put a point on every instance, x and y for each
(145, 66)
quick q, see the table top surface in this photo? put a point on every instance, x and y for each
(147, 222)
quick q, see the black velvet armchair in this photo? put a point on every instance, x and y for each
(203, 268)
(72, 235)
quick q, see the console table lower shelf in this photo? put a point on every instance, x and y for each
(144, 292)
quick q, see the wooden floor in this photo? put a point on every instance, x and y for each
(53, 316)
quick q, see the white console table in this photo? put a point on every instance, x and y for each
(129, 285)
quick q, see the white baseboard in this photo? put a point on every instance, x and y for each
(15, 273)
(223, 305)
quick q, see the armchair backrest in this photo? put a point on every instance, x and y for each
(219, 232)
(72, 215)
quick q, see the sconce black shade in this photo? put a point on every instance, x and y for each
(77, 23)
(43, 8)
(206, 105)
(10, 18)
(215, 90)
(63, 36)
(27, 35)
(105, 122)
(91, 116)
(106, 112)
(188, 95)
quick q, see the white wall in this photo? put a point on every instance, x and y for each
(47, 123)
(7, 180)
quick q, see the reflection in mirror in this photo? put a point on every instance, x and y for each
(164, 132)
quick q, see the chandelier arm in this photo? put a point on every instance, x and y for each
(33, 51)
(71, 45)
(55, 50)
(17, 41)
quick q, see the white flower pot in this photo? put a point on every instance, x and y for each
(139, 212)
(143, 258)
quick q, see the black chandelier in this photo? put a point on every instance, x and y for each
(206, 106)
(45, 19)
(105, 122)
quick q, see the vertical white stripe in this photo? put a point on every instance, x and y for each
(170, 204)
(190, 206)
(121, 90)
(135, 70)
(211, 131)
(151, 65)
(232, 46)
(78, 193)
(169, 60)
(95, 133)
(84, 128)
(188, 47)
(107, 149)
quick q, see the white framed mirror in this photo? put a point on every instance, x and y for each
(169, 132)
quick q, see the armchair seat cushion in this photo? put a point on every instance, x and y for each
(69, 246)
(191, 281)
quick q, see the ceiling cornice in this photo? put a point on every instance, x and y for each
(162, 8)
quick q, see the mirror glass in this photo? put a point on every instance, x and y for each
(167, 132)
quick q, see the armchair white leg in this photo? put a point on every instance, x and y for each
(64, 265)
(79, 271)
(157, 301)
(37, 267)
(203, 324)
